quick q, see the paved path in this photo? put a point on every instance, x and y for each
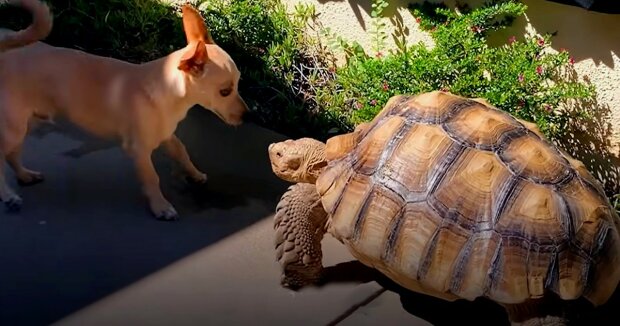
(85, 250)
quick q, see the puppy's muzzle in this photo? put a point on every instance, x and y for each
(238, 116)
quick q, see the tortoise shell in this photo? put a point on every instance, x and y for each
(458, 199)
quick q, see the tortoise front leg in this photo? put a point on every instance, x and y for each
(300, 223)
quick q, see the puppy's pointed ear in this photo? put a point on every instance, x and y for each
(194, 59)
(194, 26)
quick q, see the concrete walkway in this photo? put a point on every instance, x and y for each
(86, 251)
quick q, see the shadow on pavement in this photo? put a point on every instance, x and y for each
(442, 313)
(86, 232)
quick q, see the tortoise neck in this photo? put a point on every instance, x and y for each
(314, 162)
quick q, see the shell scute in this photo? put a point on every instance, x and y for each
(368, 156)
(349, 204)
(482, 127)
(588, 212)
(573, 273)
(469, 188)
(536, 213)
(534, 159)
(331, 184)
(474, 268)
(509, 271)
(441, 255)
(539, 265)
(419, 151)
(408, 238)
(373, 221)
(431, 108)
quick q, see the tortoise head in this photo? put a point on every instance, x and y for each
(298, 160)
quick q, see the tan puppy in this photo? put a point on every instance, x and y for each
(140, 105)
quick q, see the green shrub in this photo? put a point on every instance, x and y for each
(615, 201)
(281, 64)
(521, 77)
(132, 30)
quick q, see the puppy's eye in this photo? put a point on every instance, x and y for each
(225, 92)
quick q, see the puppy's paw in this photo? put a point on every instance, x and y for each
(167, 214)
(200, 178)
(13, 204)
(30, 178)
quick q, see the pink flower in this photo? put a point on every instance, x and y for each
(385, 86)
(373, 102)
(521, 78)
(418, 20)
(541, 42)
(379, 55)
(512, 39)
(539, 70)
(444, 89)
(547, 108)
(358, 105)
(571, 60)
(476, 29)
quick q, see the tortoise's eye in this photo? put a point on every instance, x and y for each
(294, 163)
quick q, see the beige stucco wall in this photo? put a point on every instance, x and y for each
(592, 38)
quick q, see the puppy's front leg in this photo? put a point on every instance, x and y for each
(175, 148)
(11, 200)
(161, 208)
(25, 177)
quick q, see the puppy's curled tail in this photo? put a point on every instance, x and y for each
(39, 29)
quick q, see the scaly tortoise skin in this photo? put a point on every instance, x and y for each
(453, 198)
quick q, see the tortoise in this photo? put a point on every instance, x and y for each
(454, 198)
